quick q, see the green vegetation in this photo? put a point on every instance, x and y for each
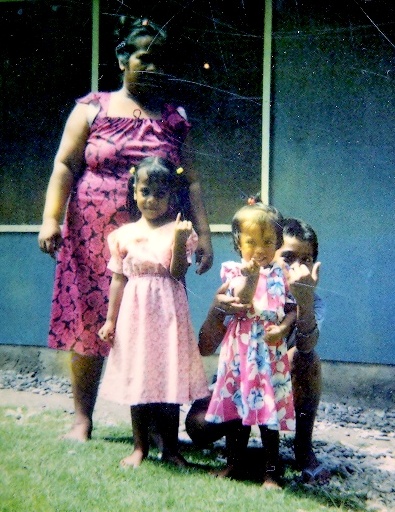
(39, 473)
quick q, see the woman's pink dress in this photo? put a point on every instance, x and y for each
(254, 381)
(96, 207)
(155, 358)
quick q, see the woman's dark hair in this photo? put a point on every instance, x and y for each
(303, 232)
(131, 29)
(159, 171)
(260, 213)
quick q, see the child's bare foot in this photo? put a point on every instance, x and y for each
(133, 460)
(270, 484)
(174, 458)
(80, 432)
(227, 472)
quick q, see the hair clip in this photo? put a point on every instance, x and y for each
(180, 170)
(121, 45)
(132, 170)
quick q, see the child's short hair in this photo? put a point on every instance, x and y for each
(159, 171)
(302, 231)
(260, 213)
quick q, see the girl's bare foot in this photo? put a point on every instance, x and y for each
(80, 432)
(227, 472)
(270, 484)
(133, 460)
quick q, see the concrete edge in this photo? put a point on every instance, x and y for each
(349, 383)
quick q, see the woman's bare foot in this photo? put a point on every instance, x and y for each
(80, 432)
(133, 460)
(313, 472)
(174, 458)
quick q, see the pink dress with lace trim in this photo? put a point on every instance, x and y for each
(155, 358)
(97, 207)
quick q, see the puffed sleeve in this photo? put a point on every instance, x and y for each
(176, 120)
(230, 270)
(116, 254)
(191, 245)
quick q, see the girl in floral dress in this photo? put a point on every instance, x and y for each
(254, 382)
(154, 364)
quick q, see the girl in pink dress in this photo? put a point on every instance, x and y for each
(154, 364)
(254, 382)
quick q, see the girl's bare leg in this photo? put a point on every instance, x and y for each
(85, 379)
(271, 447)
(141, 418)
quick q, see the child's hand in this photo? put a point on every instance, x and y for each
(251, 268)
(273, 334)
(182, 230)
(107, 332)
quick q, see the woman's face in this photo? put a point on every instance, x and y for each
(144, 64)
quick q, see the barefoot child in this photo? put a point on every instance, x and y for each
(254, 382)
(154, 364)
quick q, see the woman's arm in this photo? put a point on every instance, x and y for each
(117, 286)
(213, 329)
(68, 162)
(302, 284)
(204, 251)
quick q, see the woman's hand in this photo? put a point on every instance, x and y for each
(204, 254)
(302, 282)
(50, 238)
(273, 334)
(107, 332)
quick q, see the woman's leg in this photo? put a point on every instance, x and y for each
(271, 447)
(141, 419)
(199, 430)
(85, 380)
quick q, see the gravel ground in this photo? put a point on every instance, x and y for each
(356, 443)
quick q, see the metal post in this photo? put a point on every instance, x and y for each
(95, 45)
(266, 90)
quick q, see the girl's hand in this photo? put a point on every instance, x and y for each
(250, 268)
(273, 334)
(107, 332)
(182, 230)
(50, 238)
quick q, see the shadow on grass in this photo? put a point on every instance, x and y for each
(213, 458)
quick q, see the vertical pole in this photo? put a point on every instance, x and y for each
(266, 90)
(95, 46)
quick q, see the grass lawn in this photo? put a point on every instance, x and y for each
(39, 473)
